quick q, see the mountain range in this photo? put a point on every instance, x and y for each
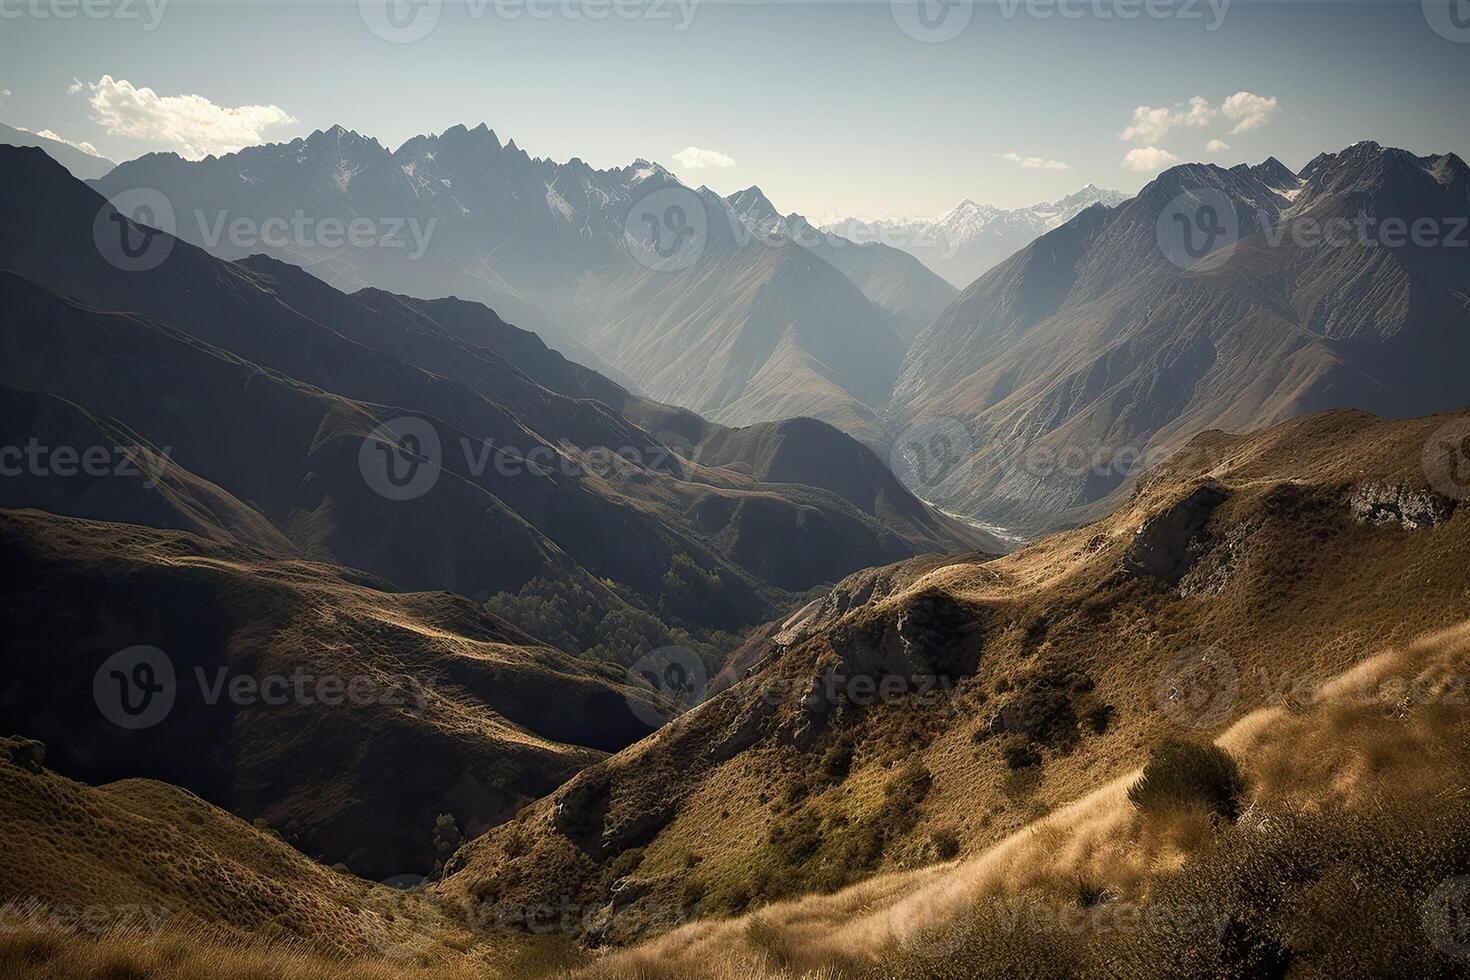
(751, 328)
(1103, 345)
(81, 163)
(583, 668)
(969, 240)
(310, 479)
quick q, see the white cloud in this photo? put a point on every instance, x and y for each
(1035, 163)
(1217, 146)
(1147, 159)
(693, 158)
(4, 92)
(1150, 123)
(1199, 113)
(191, 123)
(75, 87)
(1248, 111)
(83, 145)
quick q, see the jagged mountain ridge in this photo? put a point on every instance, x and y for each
(891, 278)
(264, 382)
(546, 245)
(83, 165)
(1092, 342)
(970, 239)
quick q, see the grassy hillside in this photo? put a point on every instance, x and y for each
(1352, 810)
(936, 719)
(1190, 740)
(411, 705)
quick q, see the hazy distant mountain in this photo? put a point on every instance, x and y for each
(1102, 344)
(746, 330)
(966, 242)
(893, 279)
(82, 164)
(265, 384)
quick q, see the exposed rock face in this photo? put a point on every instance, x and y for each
(1413, 510)
(1162, 546)
(28, 754)
(926, 645)
(1217, 565)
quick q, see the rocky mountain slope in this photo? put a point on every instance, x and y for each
(891, 278)
(265, 385)
(934, 709)
(722, 324)
(83, 165)
(412, 704)
(1105, 344)
(968, 241)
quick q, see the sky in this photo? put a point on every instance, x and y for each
(874, 109)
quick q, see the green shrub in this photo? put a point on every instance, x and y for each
(1182, 775)
(946, 844)
(1020, 754)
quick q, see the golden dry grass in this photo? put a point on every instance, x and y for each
(1357, 749)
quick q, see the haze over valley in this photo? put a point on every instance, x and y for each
(509, 490)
